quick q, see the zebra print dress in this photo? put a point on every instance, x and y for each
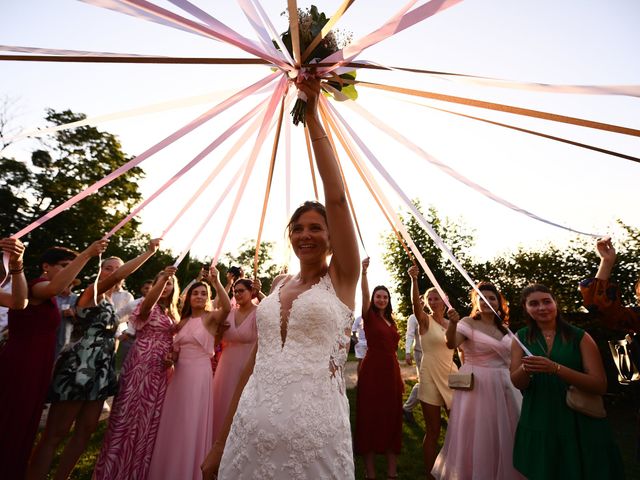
(135, 414)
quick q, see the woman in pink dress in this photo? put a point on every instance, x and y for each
(185, 434)
(135, 414)
(483, 420)
(238, 342)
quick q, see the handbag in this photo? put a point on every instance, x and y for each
(589, 404)
(460, 381)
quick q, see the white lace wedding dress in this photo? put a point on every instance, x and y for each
(292, 421)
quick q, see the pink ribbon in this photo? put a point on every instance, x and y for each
(230, 154)
(446, 168)
(210, 148)
(265, 30)
(156, 148)
(262, 133)
(220, 33)
(400, 21)
(417, 214)
(207, 219)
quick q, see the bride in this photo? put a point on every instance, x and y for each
(292, 418)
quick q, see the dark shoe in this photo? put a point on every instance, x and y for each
(408, 417)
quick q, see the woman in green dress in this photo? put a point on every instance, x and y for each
(552, 440)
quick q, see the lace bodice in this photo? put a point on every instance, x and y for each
(316, 342)
(293, 417)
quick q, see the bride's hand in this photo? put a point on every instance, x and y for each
(211, 464)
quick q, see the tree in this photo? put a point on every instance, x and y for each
(71, 161)
(267, 269)
(459, 239)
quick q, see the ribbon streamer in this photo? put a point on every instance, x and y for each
(418, 215)
(207, 219)
(344, 6)
(292, 7)
(447, 169)
(156, 148)
(229, 155)
(554, 117)
(267, 190)
(344, 180)
(272, 32)
(204, 153)
(263, 27)
(400, 21)
(268, 116)
(157, 107)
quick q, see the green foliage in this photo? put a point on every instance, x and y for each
(455, 234)
(267, 269)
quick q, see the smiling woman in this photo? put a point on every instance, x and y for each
(291, 420)
(554, 440)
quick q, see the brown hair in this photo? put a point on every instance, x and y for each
(186, 306)
(562, 326)
(307, 206)
(503, 308)
(388, 311)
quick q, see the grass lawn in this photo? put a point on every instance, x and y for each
(621, 416)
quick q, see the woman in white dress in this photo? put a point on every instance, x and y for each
(292, 418)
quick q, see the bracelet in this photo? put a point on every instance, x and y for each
(557, 368)
(319, 138)
(16, 271)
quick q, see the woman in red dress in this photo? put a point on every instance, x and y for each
(380, 385)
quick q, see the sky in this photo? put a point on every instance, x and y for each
(571, 42)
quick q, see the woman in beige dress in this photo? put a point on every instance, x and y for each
(437, 362)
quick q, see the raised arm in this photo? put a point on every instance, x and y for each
(45, 290)
(156, 291)
(364, 285)
(19, 296)
(121, 273)
(344, 264)
(607, 255)
(418, 309)
(212, 319)
(257, 290)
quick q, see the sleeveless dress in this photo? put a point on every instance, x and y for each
(293, 417)
(185, 431)
(482, 423)
(135, 413)
(436, 364)
(380, 388)
(87, 370)
(237, 343)
(552, 440)
(26, 363)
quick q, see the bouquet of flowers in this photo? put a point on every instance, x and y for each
(310, 24)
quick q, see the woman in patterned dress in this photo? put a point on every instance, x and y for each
(135, 413)
(84, 375)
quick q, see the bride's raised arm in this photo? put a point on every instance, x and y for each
(345, 264)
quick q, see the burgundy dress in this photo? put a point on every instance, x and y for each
(26, 365)
(380, 387)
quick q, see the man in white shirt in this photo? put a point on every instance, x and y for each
(413, 352)
(357, 331)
